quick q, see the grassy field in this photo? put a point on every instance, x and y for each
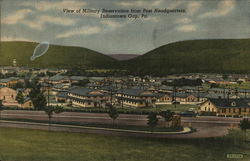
(243, 85)
(66, 56)
(177, 108)
(194, 56)
(36, 145)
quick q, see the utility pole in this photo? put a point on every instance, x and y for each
(111, 96)
(122, 94)
(198, 94)
(48, 86)
(174, 96)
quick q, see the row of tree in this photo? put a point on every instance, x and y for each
(152, 116)
(183, 82)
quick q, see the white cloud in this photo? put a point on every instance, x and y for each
(110, 23)
(187, 28)
(16, 17)
(139, 3)
(57, 20)
(87, 30)
(19, 17)
(9, 38)
(151, 19)
(183, 21)
(38, 25)
(48, 5)
(224, 8)
(193, 7)
(175, 4)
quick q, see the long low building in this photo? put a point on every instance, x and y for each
(136, 98)
(86, 97)
(8, 98)
(227, 107)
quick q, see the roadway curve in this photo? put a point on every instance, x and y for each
(206, 126)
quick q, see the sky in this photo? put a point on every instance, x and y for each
(44, 20)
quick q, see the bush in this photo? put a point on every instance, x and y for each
(204, 113)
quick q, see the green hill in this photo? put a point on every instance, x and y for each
(205, 56)
(56, 57)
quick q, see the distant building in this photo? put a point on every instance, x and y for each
(189, 98)
(227, 107)
(14, 63)
(57, 79)
(86, 97)
(8, 82)
(8, 97)
(137, 98)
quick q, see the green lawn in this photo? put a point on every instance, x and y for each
(177, 108)
(36, 145)
(145, 110)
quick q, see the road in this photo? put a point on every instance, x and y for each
(206, 126)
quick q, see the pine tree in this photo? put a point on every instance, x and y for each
(152, 120)
(20, 98)
(113, 113)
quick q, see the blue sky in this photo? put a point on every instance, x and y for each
(44, 20)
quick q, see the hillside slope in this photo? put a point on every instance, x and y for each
(123, 56)
(56, 57)
(205, 56)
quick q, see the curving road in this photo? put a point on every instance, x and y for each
(206, 126)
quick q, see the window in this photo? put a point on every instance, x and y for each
(233, 104)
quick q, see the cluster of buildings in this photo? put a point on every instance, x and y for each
(130, 91)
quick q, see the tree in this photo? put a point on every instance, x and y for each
(18, 85)
(20, 98)
(50, 110)
(113, 113)
(152, 120)
(39, 101)
(167, 115)
(37, 98)
(244, 125)
(225, 76)
(1, 108)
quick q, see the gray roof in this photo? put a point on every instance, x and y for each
(230, 103)
(220, 89)
(59, 86)
(167, 88)
(78, 78)
(8, 79)
(62, 94)
(243, 90)
(83, 91)
(219, 95)
(136, 92)
(184, 95)
(57, 78)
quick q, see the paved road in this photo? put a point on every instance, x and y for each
(206, 126)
